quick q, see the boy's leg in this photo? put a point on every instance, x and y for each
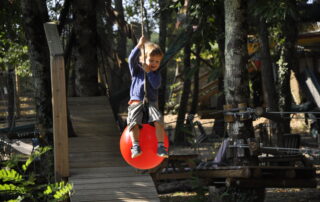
(159, 131)
(134, 135)
(156, 117)
(162, 150)
(134, 119)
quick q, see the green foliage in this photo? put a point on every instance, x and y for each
(15, 55)
(273, 10)
(36, 154)
(59, 189)
(13, 48)
(11, 188)
(18, 183)
(10, 175)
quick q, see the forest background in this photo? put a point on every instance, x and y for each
(197, 36)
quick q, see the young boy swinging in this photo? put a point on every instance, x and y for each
(145, 57)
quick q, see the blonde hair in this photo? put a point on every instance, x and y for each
(150, 49)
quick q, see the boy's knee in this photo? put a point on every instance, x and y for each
(158, 124)
(134, 127)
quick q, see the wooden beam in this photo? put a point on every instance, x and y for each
(271, 183)
(238, 173)
(215, 173)
(59, 102)
(313, 86)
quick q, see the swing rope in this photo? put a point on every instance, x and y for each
(145, 98)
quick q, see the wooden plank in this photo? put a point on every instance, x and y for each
(108, 174)
(59, 105)
(53, 39)
(86, 155)
(118, 185)
(97, 164)
(114, 179)
(110, 169)
(121, 197)
(239, 173)
(98, 171)
(142, 191)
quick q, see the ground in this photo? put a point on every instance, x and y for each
(272, 194)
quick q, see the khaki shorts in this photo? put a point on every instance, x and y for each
(135, 114)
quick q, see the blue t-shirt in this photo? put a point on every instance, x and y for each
(137, 79)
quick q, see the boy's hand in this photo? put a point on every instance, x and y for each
(142, 40)
(146, 68)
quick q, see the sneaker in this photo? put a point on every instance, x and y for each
(162, 152)
(135, 151)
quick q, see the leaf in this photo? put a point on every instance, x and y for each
(36, 154)
(10, 175)
(59, 190)
(19, 199)
(12, 188)
(48, 190)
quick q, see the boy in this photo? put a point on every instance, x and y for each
(149, 63)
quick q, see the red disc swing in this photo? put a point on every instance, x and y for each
(147, 138)
(148, 143)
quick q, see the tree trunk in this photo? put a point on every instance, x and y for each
(195, 93)
(86, 64)
(179, 135)
(268, 82)
(162, 44)
(235, 51)
(219, 125)
(121, 39)
(235, 86)
(287, 63)
(220, 22)
(34, 15)
(11, 98)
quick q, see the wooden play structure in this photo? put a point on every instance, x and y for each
(91, 161)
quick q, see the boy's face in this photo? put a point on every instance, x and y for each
(153, 62)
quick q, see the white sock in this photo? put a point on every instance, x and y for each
(160, 144)
(135, 143)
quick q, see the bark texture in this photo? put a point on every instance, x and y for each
(268, 83)
(235, 82)
(86, 64)
(179, 135)
(235, 51)
(162, 44)
(34, 15)
(287, 62)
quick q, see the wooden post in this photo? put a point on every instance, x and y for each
(59, 102)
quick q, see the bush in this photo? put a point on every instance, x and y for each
(19, 183)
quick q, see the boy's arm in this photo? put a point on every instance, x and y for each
(134, 55)
(133, 59)
(154, 79)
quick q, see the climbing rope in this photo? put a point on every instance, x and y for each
(145, 98)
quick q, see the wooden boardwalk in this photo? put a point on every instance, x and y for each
(97, 169)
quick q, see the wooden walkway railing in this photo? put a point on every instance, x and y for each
(97, 169)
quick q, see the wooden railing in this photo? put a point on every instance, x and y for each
(59, 102)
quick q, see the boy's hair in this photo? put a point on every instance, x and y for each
(151, 49)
